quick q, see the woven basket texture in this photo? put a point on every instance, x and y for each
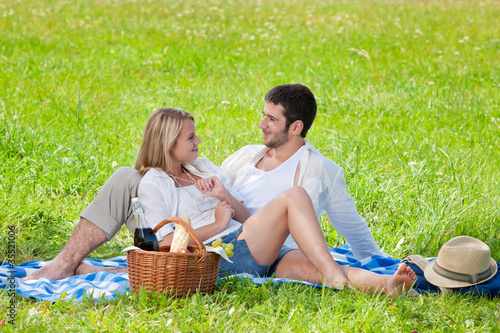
(176, 274)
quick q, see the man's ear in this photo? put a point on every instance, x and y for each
(296, 127)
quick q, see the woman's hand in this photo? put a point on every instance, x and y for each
(213, 187)
(223, 214)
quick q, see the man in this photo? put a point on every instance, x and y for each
(258, 173)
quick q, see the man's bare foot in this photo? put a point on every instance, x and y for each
(88, 269)
(403, 279)
(52, 271)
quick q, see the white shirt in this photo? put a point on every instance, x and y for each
(255, 188)
(324, 182)
(160, 198)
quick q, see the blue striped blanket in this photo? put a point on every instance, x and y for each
(105, 285)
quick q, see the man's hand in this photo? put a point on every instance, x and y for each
(213, 187)
(223, 214)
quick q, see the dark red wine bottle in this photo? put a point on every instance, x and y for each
(144, 237)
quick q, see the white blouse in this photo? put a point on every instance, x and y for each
(160, 198)
(200, 209)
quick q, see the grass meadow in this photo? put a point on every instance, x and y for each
(408, 106)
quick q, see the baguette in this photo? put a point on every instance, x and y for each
(181, 237)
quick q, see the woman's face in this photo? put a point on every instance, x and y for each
(186, 146)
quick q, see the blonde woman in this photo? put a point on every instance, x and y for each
(176, 182)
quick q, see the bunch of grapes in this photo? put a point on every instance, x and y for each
(228, 248)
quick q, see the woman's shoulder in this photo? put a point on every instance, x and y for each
(153, 174)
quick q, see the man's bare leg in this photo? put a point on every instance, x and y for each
(85, 239)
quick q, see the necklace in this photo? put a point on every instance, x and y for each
(192, 196)
(191, 178)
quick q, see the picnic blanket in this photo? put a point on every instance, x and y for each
(105, 285)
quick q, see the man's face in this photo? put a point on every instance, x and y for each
(273, 126)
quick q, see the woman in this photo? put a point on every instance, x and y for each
(177, 183)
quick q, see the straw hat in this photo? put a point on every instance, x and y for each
(463, 261)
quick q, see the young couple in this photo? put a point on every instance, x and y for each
(176, 183)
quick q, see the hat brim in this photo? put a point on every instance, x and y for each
(432, 277)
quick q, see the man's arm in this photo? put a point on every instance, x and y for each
(344, 217)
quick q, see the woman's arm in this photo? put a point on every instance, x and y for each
(156, 208)
(223, 214)
(213, 187)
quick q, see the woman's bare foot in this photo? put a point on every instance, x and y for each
(88, 269)
(403, 279)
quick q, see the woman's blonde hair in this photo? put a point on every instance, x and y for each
(162, 130)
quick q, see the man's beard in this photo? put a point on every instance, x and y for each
(278, 141)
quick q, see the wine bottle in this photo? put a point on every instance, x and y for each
(144, 237)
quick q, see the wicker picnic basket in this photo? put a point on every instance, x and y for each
(177, 274)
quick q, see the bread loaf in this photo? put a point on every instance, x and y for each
(181, 237)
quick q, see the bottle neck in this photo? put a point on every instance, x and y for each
(136, 211)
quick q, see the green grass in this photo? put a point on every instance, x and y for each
(408, 106)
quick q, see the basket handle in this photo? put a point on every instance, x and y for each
(188, 228)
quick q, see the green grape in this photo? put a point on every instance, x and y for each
(226, 247)
(217, 242)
